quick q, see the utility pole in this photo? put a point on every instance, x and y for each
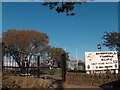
(76, 58)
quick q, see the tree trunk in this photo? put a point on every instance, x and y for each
(17, 59)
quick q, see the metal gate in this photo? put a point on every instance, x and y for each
(26, 67)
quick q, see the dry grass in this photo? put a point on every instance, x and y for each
(91, 79)
(26, 82)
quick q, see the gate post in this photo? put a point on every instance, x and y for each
(63, 59)
(38, 66)
(2, 52)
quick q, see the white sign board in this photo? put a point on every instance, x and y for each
(101, 60)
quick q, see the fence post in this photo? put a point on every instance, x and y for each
(38, 66)
(63, 59)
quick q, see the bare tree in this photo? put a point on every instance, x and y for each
(24, 43)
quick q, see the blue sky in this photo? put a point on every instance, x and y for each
(0, 18)
(58, 0)
(82, 31)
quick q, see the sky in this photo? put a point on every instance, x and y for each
(59, 0)
(81, 32)
(0, 18)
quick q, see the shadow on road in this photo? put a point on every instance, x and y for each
(111, 85)
(58, 81)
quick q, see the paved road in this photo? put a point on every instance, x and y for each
(78, 86)
(62, 84)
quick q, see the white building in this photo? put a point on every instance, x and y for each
(100, 62)
(9, 62)
(74, 64)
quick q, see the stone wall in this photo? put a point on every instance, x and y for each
(90, 79)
